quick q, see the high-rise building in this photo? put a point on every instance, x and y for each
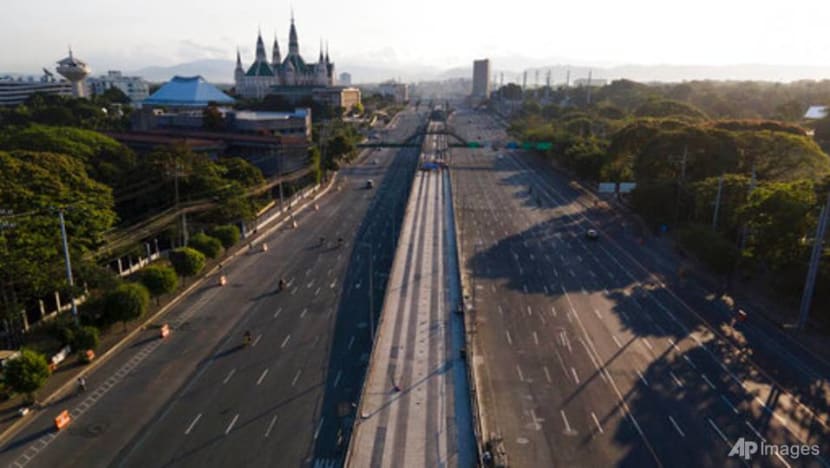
(133, 86)
(481, 79)
(345, 79)
(398, 91)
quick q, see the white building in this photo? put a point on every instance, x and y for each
(133, 86)
(14, 91)
(816, 113)
(399, 91)
(292, 70)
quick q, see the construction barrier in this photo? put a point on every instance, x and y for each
(316, 207)
(264, 247)
(164, 331)
(294, 224)
(90, 355)
(62, 420)
(223, 280)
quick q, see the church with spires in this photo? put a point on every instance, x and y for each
(290, 71)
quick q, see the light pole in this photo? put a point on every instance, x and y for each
(68, 268)
(371, 292)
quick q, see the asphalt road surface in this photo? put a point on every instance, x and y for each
(200, 398)
(592, 352)
(415, 409)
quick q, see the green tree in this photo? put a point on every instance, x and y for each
(187, 261)
(127, 302)
(212, 118)
(115, 95)
(228, 235)
(159, 279)
(209, 246)
(316, 163)
(669, 108)
(85, 338)
(27, 373)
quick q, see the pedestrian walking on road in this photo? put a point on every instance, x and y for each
(81, 384)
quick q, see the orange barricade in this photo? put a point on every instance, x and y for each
(264, 247)
(165, 331)
(62, 420)
(90, 355)
(223, 280)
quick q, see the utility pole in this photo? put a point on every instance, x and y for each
(745, 229)
(717, 203)
(69, 278)
(812, 271)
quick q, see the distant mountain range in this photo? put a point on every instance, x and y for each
(221, 71)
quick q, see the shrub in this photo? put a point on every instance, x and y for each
(159, 279)
(187, 261)
(209, 246)
(228, 235)
(127, 302)
(26, 373)
(86, 338)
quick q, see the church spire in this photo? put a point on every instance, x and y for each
(320, 60)
(293, 43)
(260, 48)
(327, 51)
(276, 58)
(238, 60)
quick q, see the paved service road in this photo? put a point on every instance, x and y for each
(415, 409)
(200, 398)
(587, 358)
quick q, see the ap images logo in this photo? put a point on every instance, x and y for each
(747, 448)
(744, 448)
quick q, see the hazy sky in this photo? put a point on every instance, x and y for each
(443, 33)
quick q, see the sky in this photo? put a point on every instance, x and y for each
(128, 35)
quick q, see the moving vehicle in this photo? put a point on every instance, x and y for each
(592, 234)
(370, 184)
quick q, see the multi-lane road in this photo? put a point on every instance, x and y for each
(585, 356)
(415, 410)
(199, 398)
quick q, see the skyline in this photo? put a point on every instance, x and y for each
(369, 33)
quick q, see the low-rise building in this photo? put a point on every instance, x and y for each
(334, 96)
(15, 91)
(136, 88)
(345, 79)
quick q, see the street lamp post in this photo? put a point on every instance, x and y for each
(69, 278)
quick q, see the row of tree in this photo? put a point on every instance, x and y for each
(773, 177)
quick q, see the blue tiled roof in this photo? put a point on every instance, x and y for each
(184, 91)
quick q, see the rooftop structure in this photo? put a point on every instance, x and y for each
(74, 70)
(189, 92)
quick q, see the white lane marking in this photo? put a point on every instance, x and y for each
(676, 427)
(708, 382)
(529, 311)
(524, 287)
(193, 424)
(729, 403)
(297, 376)
(648, 345)
(565, 419)
(642, 377)
(614, 337)
(562, 363)
(302, 314)
(264, 373)
(509, 339)
(271, 426)
(337, 377)
(501, 311)
(230, 374)
(285, 341)
(519, 371)
(571, 272)
(752, 428)
(319, 426)
(256, 340)
(686, 358)
(715, 426)
(676, 380)
(277, 313)
(317, 292)
(597, 313)
(553, 311)
(547, 374)
(596, 421)
(536, 338)
(584, 292)
(294, 291)
(230, 426)
(351, 342)
(576, 377)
